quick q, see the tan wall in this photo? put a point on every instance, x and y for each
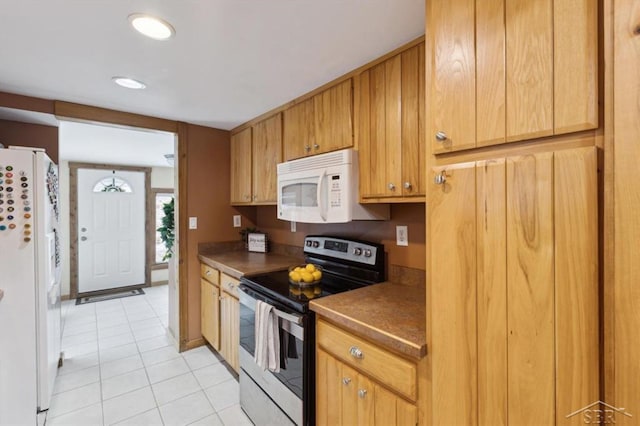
(35, 135)
(208, 199)
(412, 215)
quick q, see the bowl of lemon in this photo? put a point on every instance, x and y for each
(305, 275)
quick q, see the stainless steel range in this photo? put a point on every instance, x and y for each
(288, 397)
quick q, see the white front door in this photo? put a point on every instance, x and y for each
(111, 229)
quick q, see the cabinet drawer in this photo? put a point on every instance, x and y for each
(229, 284)
(210, 274)
(380, 364)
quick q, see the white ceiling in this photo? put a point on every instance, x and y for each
(111, 145)
(230, 60)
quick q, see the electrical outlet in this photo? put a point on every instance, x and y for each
(237, 221)
(293, 226)
(193, 223)
(402, 236)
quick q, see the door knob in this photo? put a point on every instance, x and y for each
(83, 239)
(316, 146)
(307, 148)
(362, 393)
(346, 381)
(440, 178)
(407, 185)
(391, 187)
(441, 136)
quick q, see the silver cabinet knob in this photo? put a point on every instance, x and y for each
(255, 197)
(307, 148)
(356, 352)
(440, 178)
(346, 381)
(441, 136)
(362, 393)
(316, 146)
(407, 185)
(83, 239)
(208, 272)
(391, 187)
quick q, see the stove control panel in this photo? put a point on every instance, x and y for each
(354, 251)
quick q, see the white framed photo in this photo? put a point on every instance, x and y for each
(257, 243)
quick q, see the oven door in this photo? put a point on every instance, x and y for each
(285, 388)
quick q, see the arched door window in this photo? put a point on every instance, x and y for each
(112, 184)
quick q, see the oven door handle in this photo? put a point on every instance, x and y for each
(250, 302)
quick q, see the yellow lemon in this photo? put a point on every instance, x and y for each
(295, 276)
(310, 267)
(299, 269)
(316, 275)
(307, 277)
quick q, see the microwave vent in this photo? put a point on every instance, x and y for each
(317, 161)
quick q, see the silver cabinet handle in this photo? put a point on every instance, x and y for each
(440, 178)
(441, 136)
(356, 352)
(307, 148)
(83, 238)
(346, 381)
(362, 393)
(407, 185)
(316, 146)
(391, 187)
(208, 272)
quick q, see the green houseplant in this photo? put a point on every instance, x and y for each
(167, 230)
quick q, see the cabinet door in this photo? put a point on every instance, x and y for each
(329, 389)
(515, 282)
(230, 329)
(452, 230)
(392, 410)
(299, 130)
(451, 25)
(267, 153)
(413, 179)
(333, 112)
(241, 167)
(210, 313)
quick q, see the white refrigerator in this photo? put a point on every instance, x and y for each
(30, 332)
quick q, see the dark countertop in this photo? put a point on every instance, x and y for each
(392, 315)
(240, 263)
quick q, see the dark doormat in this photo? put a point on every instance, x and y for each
(103, 297)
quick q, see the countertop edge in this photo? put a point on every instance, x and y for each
(221, 267)
(389, 341)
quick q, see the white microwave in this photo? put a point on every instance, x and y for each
(324, 189)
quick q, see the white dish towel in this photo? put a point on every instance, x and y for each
(267, 354)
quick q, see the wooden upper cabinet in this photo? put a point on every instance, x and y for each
(241, 192)
(390, 126)
(508, 71)
(320, 124)
(333, 112)
(299, 130)
(267, 153)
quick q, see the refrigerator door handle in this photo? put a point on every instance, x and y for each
(1, 293)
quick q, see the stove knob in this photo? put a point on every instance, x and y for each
(308, 243)
(316, 244)
(367, 253)
(357, 251)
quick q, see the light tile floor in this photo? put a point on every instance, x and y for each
(121, 368)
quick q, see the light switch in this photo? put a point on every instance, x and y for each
(237, 221)
(193, 223)
(402, 237)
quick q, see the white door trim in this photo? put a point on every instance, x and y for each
(73, 226)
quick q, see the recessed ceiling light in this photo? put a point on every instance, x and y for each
(129, 83)
(151, 26)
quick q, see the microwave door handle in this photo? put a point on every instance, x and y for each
(322, 208)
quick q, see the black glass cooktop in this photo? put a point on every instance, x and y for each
(276, 285)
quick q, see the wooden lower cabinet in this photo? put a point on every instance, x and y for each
(347, 394)
(514, 289)
(210, 313)
(230, 321)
